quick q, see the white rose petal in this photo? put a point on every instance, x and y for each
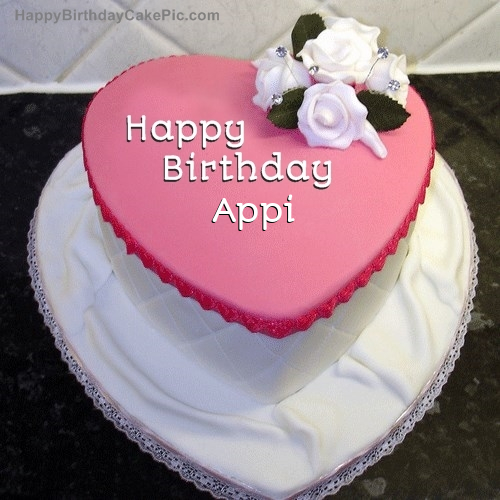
(277, 74)
(371, 139)
(344, 51)
(331, 115)
(385, 70)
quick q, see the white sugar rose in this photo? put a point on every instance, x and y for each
(344, 51)
(393, 68)
(331, 115)
(276, 74)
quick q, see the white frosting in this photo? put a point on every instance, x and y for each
(157, 394)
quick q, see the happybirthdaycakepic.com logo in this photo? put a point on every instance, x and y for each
(64, 15)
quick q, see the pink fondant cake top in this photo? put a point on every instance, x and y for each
(164, 144)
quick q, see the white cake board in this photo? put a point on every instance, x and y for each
(308, 445)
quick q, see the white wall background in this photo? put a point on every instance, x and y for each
(438, 36)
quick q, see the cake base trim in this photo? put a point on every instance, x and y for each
(73, 342)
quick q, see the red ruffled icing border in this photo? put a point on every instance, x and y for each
(277, 328)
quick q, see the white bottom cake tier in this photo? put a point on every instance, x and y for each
(310, 443)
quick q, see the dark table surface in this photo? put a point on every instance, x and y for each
(55, 444)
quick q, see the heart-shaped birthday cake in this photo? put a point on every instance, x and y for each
(245, 292)
(246, 217)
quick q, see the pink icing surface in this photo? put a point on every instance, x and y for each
(276, 281)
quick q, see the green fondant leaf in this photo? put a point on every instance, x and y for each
(307, 27)
(384, 113)
(284, 115)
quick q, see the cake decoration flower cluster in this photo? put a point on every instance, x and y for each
(336, 87)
